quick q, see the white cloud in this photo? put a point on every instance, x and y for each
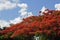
(6, 4)
(4, 24)
(23, 13)
(23, 10)
(22, 5)
(44, 9)
(16, 20)
(30, 14)
(57, 6)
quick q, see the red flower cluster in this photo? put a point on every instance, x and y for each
(48, 23)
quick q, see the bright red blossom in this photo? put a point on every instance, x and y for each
(46, 23)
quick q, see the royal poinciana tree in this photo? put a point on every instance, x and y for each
(47, 24)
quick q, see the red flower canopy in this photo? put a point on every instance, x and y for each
(48, 23)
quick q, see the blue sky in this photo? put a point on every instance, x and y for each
(33, 5)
